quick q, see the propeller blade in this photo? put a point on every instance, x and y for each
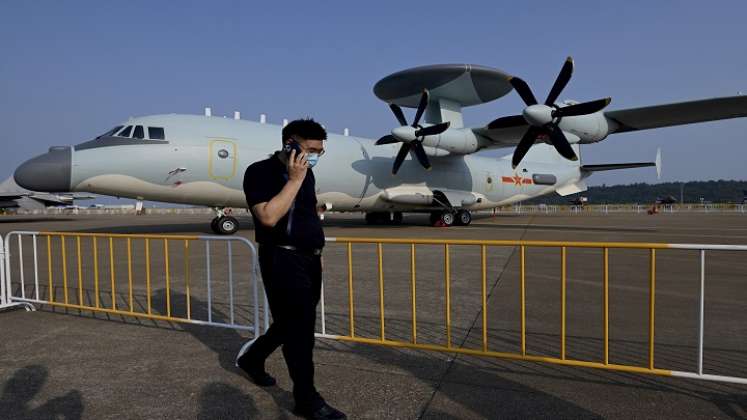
(400, 157)
(433, 129)
(388, 139)
(523, 90)
(507, 122)
(420, 154)
(398, 114)
(561, 143)
(421, 108)
(582, 108)
(562, 80)
(523, 147)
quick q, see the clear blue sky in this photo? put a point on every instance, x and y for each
(70, 70)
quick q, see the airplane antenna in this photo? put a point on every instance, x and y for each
(262, 118)
(236, 115)
(208, 111)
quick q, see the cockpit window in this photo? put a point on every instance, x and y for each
(156, 133)
(110, 132)
(126, 132)
(138, 133)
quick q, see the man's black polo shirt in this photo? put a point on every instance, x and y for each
(300, 227)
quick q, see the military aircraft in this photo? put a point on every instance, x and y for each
(200, 160)
(12, 196)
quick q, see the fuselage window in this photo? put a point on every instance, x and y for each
(139, 133)
(156, 133)
(126, 132)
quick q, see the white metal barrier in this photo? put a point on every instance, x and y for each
(6, 301)
(75, 260)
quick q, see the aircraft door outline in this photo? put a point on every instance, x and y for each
(222, 160)
(491, 185)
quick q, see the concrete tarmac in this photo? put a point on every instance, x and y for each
(57, 363)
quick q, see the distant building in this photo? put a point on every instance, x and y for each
(666, 200)
(579, 201)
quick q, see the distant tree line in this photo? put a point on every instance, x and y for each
(721, 191)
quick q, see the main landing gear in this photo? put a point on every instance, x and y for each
(384, 218)
(224, 223)
(448, 218)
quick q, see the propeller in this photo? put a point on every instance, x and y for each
(411, 135)
(543, 119)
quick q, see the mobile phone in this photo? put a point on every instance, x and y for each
(290, 146)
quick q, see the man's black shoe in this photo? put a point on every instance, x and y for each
(324, 412)
(256, 372)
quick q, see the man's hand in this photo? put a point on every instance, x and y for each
(297, 166)
(270, 212)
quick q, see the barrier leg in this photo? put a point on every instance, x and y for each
(6, 293)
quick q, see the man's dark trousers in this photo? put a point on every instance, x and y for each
(292, 282)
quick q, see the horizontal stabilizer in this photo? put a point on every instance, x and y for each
(615, 166)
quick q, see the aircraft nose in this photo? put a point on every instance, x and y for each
(49, 172)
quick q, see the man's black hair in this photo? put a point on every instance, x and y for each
(305, 128)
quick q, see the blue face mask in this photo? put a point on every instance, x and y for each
(312, 159)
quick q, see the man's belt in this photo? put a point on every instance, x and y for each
(308, 251)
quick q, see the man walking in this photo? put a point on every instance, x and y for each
(280, 192)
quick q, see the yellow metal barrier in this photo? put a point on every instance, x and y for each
(415, 342)
(118, 244)
(563, 359)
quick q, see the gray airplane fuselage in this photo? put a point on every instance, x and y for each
(202, 162)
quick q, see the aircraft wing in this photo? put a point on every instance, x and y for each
(666, 115)
(12, 195)
(503, 137)
(49, 200)
(78, 196)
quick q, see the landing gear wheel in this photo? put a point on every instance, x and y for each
(396, 218)
(447, 218)
(227, 225)
(214, 225)
(463, 218)
(442, 219)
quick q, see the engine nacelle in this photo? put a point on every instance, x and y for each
(456, 141)
(589, 128)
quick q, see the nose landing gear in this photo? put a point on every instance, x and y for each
(223, 223)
